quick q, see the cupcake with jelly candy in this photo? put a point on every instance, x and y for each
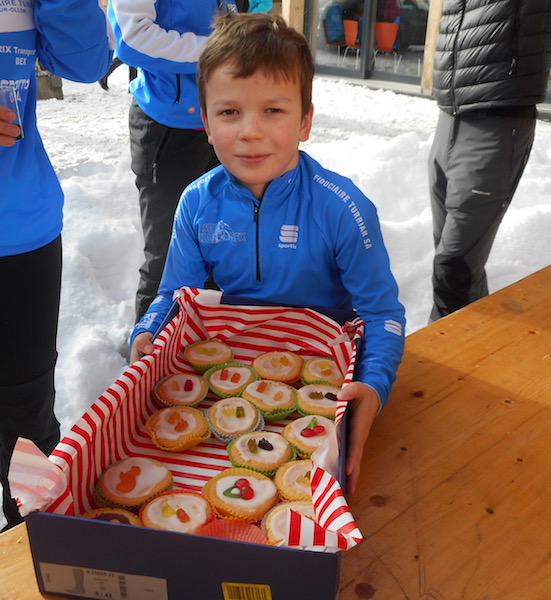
(241, 494)
(307, 434)
(113, 515)
(274, 399)
(206, 354)
(177, 429)
(293, 480)
(279, 365)
(177, 510)
(317, 399)
(231, 417)
(131, 482)
(180, 389)
(275, 522)
(229, 379)
(263, 451)
(321, 369)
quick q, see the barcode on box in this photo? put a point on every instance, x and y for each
(244, 591)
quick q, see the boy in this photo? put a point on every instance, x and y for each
(270, 222)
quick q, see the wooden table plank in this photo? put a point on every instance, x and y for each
(455, 495)
(455, 500)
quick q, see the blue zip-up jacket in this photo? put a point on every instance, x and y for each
(70, 39)
(163, 39)
(313, 240)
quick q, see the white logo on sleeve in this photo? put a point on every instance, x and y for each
(288, 236)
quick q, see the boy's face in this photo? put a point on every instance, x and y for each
(255, 125)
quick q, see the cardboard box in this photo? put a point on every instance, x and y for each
(83, 558)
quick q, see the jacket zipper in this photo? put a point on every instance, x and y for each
(256, 224)
(178, 88)
(514, 39)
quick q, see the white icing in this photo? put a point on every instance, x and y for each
(264, 490)
(279, 443)
(151, 473)
(304, 393)
(295, 477)
(278, 519)
(271, 363)
(227, 385)
(267, 396)
(298, 425)
(166, 430)
(194, 506)
(172, 388)
(318, 365)
(233, 424)
(222, 352)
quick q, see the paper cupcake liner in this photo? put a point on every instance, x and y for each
(237, 531)
(300, 453)
(226, 439)
(188, 442)
(277, 414)
(227, 512)
(237, 392)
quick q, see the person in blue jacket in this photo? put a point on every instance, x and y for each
(169, 148)
(260, 6)
(271, 222)
(70, 38)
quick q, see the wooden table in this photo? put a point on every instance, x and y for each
(455, 498)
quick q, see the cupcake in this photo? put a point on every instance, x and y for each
(180, 389)
(321, 369)
(293, 480)
(206, 354)
(237, 531)
(229, 379)
(130, 482)
(262, 451)
(317, 399)
(177, 429)
(177, 510)
(274, 399)
(275, 522)
(231, 417)
(279, 365)
(241, 494)
(307, 434)
(113, 515)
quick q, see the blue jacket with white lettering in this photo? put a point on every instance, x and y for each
(70, 38)
(314, 240)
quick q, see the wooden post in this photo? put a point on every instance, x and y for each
(433, 24)
(293, 12)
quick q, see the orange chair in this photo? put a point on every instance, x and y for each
(337, 44)
(351, 38)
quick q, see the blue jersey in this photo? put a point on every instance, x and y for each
(163, 39)
(70, 39)
(313, 240)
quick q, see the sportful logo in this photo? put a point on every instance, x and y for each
(214, 233)
(288, 236)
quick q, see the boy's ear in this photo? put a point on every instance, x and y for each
(206, 124)
(306, 125)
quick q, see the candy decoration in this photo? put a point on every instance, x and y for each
(181, 426)
(312, 429)
(264, 444)
(235, 378)
(252, 446)
(182, 515)
(188, 385)
(240, 489)
(127, 480)
(224, 374)
(262, 387)
(239, 412)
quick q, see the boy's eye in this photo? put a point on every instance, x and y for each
(274, 110)
(228, 112)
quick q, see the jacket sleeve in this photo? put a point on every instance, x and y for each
(141, 42)
(73, 39)
(365, 267)
(184, 267)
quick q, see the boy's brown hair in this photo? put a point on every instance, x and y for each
(253, 42)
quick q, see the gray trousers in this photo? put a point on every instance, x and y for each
(475, 164)
(165, 161)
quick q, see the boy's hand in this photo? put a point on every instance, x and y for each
(142, 345)
(365, 404)
(8, 130)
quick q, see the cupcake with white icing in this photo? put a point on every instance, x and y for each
(263, 451)
(231, 417)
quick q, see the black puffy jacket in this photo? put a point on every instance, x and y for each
(492, 53)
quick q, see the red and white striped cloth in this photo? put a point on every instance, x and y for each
(113, 427)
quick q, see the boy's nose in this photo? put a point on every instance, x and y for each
(251, 127)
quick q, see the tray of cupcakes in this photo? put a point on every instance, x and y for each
(230, 429)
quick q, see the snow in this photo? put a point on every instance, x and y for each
(379, 138)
